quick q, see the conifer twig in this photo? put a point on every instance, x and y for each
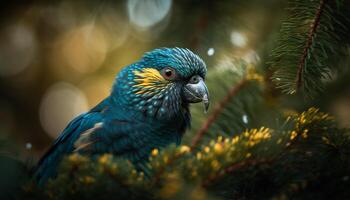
(198, 136)
(217, 111)
(161, 171)
(232, 168)
(315, 24)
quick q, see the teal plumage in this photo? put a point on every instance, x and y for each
(148, 108)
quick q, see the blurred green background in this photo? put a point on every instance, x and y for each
(60, 58)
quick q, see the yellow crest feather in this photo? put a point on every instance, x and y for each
(148, 78)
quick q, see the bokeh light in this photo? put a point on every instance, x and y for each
(238, 39)
(115, 28)
(145, 14)
(28, 146)
(225, 63)
(228, 63)
(95, 89)
(251, 57)
(84, 49)
(211, 51)
(18, 48)
(60, 104)
(341, 108)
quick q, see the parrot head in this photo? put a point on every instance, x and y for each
(163, 83)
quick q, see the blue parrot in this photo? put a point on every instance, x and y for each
(148, 108)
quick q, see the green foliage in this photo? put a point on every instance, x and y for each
(236, 92)
(13, 172)
(307, 158)
(311, 36)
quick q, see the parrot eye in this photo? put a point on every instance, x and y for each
(169, 73)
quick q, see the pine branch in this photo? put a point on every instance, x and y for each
(301, 125)
(160, 172)
(310, 146)
(248, 75)
(309, 42)
(233, 168)
(217, 111)
(310, 38)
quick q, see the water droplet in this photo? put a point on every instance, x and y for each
(211, 51)
(29, 145)
(245, 119)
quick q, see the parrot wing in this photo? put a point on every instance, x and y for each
(47, 166)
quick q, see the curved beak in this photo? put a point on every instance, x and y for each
(196, 91)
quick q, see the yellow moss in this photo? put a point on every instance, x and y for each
(289, 113)
(134, 172)
(251, 143)
(104, 159)
(172, 187)
(114, 168)
(77, 159)
(248, 155)
(262, 133)
(326, 140)
(141, 177)
(212, 143)
(155, 152)
(206, 149)
(304, 134)
(198, 194)
(256, 136)
(246, 133)
(157, 164)
(279, 141)
(88, 180)
(73, 158)
(194, 173)
(293, 135)
(165, 159)
(199, 156)
(235, 140)
(185, 149)
(252, 75)
(219, 139)
(218, 149)
(215, 164)
(310, 116)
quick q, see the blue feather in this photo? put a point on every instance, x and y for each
(128, 123)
